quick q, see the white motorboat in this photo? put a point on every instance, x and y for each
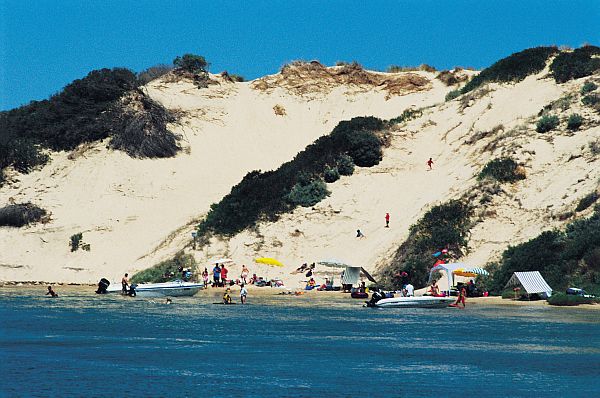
(413, 302)
(164, 289)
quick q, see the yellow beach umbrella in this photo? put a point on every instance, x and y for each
(268, 261)
(470, 271)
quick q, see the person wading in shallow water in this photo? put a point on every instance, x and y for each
(51, 292)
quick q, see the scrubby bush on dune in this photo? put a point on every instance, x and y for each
(166, 270)
(444, 225)
(192, 63)
(267, 195)
(19, 215)
(138, 126)
(588, 87)
(331, 174)
(579, 63)
(547, 123)
(345, 165)
(591, 100)
(587, 201)
(503, 170)
(564, 258)
(574, 121)
(307, 194)
(513, 68)
(452, 95)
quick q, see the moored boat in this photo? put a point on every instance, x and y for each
(413, 302)
(164, 289)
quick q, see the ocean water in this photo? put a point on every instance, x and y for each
(278, 346)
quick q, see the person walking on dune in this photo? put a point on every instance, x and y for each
(387, 220)
(430, 163)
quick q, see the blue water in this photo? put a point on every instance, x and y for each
(84, 345)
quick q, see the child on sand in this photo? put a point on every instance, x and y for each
(243, 294)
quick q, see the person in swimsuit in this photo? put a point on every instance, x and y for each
(227, 296)
(125, 284)
(205, 277)
(243, 294)
(461, 297)
(245, 273)
(51, 292)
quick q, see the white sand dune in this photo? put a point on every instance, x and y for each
(135, 213)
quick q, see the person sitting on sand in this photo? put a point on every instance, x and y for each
(51, 292)
(243, 294)
(227, 296)
(310, 285)
(302, 268)
(254, 279)
(434, 289)
(359, 234)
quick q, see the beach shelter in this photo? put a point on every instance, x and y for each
(268, 261)
(531, 281)
(470, 271)
(449, 270)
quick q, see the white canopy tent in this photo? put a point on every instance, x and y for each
(531, 281)
(449, 269)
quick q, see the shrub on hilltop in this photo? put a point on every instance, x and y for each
(192, 63)
(578, 63)
(502, 169)
(513, 68)
(266, 195)
(445, 225)
(153, 73)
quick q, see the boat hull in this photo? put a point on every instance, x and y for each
(415, 302)
(167, 289)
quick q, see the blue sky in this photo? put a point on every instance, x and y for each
(44, 45)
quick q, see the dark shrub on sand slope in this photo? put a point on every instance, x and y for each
(19, 215)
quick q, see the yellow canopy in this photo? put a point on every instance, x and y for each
(268, 261)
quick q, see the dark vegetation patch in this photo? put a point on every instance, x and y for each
(587, 201)
(513, 68)
(307, 192)
(574, 121)
(588, 87)
(166, 270)
(19, 215)
(575, 64)
(563, 299)
(331, 174)
(564, 258)
(451, 78)
(445, 225)
(503, 170)
(547, 123)
(153, 73)
(592, 100)
(138, 126)
(452, 95)
(266, 195)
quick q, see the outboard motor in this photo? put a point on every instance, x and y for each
(131, 291)
(102, 286)
(377, 295)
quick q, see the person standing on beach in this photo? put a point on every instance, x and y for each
(205, 277)
(51, 292)
(387, 220)
(217, 275)
(224, 272)
(461, 298)
(430, 163)
(245, 273)
(124, 283)
(243, 294)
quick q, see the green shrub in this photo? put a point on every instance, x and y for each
(503, 170)
(452, 95)
(445, 225)
(237, 78)
(569, 257)
(546, 123)
(587, 201)
(191, 63)
(588, 87)
(345, 165)
(63, 121)
(267, 195)
(76, 241)
(19, 215)
(331, 174)
(407, 114)
(576, 64)
(513, 68)
(166, 270)
(591, 99)
(575, 121)
(564, 299)
(308, 194)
